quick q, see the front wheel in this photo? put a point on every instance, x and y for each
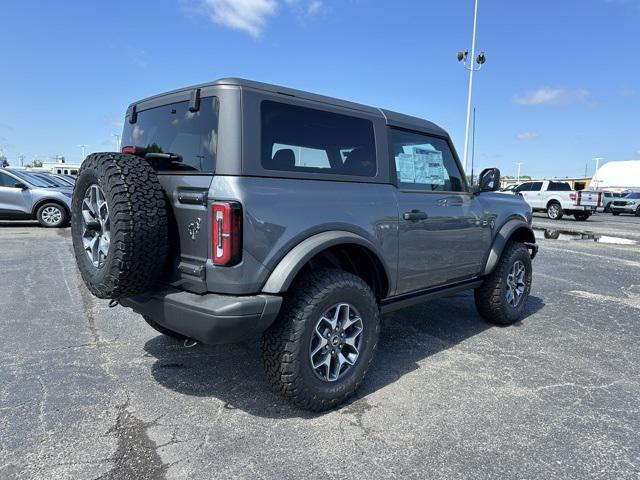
(615, 214)
(319, 349)
(554, 211)
(503, 296)
(581, 217)
(638, 212)
(52, 215)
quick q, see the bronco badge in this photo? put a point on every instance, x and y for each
(194, 228)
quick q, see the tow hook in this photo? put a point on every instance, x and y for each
(533, 247)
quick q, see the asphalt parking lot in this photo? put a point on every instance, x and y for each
(92, 392)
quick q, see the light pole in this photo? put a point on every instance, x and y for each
(82, 146)
(519, 165)
(117, 141)
(462, 57)
(597, 160)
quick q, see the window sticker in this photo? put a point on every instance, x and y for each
(423, 166)
(429, 166)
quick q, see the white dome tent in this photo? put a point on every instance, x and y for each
(620, 175)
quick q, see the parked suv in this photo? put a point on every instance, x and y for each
(239, 208)
(24, 195)
(557, 199)
(629, 203)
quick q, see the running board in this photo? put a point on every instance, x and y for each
(409, 299)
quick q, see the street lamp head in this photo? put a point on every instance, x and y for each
(481, 58)
(462, 55)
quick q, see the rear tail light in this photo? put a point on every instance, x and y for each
(226, 224)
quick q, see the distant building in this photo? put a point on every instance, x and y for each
(618, 175)
(60, 167)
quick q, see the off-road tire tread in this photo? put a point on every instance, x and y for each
(278, 351)
(490, 296)
(139, 224)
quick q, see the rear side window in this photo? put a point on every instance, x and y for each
(559, 187)
(306, 140)
(174, 129)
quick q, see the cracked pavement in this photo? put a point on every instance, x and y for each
(90, 392)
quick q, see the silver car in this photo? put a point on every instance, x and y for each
(25, 196)
(630, 203)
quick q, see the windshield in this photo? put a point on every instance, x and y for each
(174, 129)
(33, 179)
(633, 195)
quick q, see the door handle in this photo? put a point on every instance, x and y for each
(415, 215)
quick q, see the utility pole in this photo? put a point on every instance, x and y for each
(117, 141)
(519, 165)
(21, 158)
(83, 146)
(462, 57)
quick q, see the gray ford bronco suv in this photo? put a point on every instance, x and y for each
(237, 208)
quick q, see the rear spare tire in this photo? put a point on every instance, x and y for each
(119, 225)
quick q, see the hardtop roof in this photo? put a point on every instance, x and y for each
(391, 117)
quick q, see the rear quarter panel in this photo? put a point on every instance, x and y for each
(279, 213)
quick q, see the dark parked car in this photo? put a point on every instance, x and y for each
(238, 208)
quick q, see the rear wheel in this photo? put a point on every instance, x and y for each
(581, 217)
(503, 296)
(52, 215)
(638, 212)
(554, 211)
(319, 349)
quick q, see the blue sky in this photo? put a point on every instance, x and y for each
(561, 84)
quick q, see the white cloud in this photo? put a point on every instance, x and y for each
(246, 15)
(527, 136)
(552, 96)
(251, 16)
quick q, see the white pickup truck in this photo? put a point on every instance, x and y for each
(557, 199)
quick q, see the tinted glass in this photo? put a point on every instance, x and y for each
(174, 129)
(559, 187)
(525, 187)
(423, 162)
(633, 195)
(51, 179)
(306, 140)
(536, 186)
(33, 179)
(7, 181)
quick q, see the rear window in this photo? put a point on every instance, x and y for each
(559, 187)
(306, 140)
(174, 129)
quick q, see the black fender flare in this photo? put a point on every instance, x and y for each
(286, 270)
(503, 236)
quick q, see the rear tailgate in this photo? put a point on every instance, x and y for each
(179, 139)
(588, 198)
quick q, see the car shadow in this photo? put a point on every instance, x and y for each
(19, 223)
(233, 373)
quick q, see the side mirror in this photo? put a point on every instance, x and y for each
(489, 180)
(21, 185)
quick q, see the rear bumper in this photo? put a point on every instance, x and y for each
(209, 318)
